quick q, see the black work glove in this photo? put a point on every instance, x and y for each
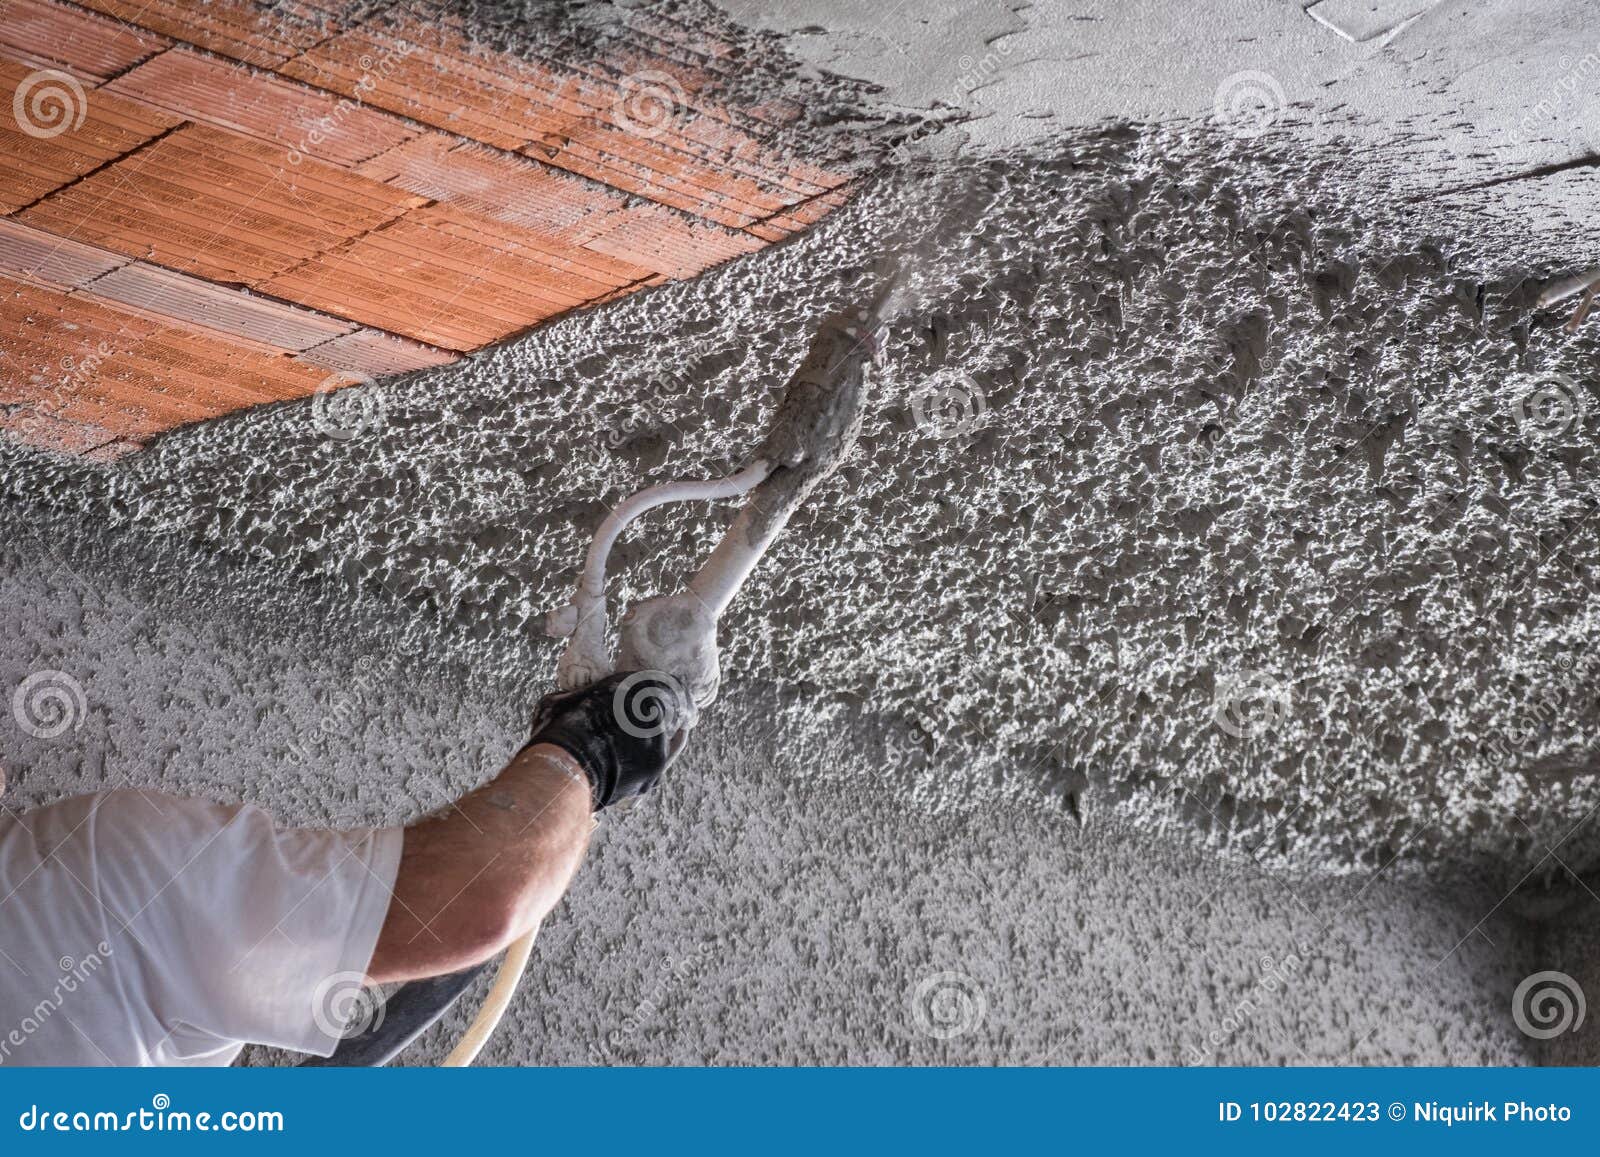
(624, 731)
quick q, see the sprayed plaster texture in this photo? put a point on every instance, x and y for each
(1218, 558)
(1194, 487)
(1468, 86)
(753, 910)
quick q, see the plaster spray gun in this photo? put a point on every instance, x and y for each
(675, 635)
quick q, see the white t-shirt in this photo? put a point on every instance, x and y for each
(143, 929)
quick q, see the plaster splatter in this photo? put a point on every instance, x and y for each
(1204, 489)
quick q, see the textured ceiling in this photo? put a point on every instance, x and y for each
(209, 207)
(1246, 415)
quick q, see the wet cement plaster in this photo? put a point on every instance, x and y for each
(1190, 666)
(1499, 86)
(781, 903)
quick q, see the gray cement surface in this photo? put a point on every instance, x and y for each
(772, 904)
(1213, 587)
(1497, 85)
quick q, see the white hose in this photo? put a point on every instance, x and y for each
(827, 434)
(594, 564)
(590, 604)
(585, 660)
(589, 600)
(494, 1005)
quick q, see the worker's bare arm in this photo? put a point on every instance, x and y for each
(475, 878)
(486, 872)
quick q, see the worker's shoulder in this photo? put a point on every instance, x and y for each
(51, 823)
(141, 815)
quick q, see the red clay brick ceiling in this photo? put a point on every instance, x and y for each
(206, 206)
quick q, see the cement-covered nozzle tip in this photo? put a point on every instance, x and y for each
(819, 415)
(821, 406)
(890, 294)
